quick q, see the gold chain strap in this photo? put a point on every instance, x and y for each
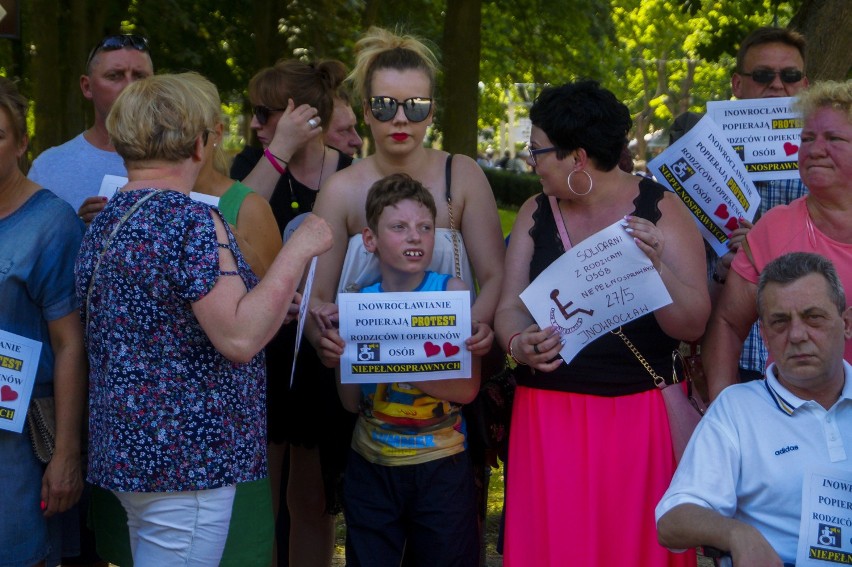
(659, 381)
(455, 238)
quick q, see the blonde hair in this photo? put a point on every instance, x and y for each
(836, 94)
(316, 83)
(382, 49)
(158, 118)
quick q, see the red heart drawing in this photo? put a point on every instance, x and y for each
(431, 348)
(7, 394)
(722, 211)
(450, 350)
(732, 224)
(790, 149)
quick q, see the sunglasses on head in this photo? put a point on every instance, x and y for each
(115, 42)
(262, 113)
(416, 108)
(766, 76)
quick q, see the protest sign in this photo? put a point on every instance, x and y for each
(18, 365)
(603, 282)
(825, 531)
(404, 337)
(765, 132)
(703, 170)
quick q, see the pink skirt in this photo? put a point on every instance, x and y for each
(584, 476)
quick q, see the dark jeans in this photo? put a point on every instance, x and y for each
(429, 507)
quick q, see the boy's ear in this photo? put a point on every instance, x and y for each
(369, 239)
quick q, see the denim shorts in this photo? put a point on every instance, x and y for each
(26, 537)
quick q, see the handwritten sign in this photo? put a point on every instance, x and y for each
(598, 285)
(825, 531)
(18, 365)
(709, 177)
(404, 337)
(764, 132)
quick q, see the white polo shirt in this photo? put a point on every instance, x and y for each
(747, 457)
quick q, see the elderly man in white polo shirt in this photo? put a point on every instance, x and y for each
(739, 485)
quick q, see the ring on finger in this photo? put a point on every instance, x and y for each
(313, 122)
(535, 348)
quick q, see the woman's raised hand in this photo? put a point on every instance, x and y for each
(296, 127)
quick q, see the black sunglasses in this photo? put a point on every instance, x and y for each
(766, 76)
(115, 42)
(262, 113)
(416, 108)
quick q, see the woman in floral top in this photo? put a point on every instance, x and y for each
(175, 321)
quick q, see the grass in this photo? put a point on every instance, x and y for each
(507, 219)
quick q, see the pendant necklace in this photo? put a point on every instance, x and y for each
(294, 203)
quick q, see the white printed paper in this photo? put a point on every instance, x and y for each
(404, 337)
(825, 531)
(711, 180)
(18, 365)
(601, 283)
(765, 132)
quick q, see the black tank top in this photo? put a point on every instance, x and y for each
(605, 367)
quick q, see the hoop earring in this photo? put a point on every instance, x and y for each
(591, 183)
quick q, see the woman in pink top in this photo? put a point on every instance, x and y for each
(819, 222)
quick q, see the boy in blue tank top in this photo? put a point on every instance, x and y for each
(408, 483)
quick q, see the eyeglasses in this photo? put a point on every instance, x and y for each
(538, 151)
(766, 76)
(115, 42)
(205, 136)
(416, 109)
(262, 113)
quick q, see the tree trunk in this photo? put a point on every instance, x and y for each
(460, 56)
(826, 24)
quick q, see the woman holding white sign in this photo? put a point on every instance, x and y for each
(590, 451)
(818, 222)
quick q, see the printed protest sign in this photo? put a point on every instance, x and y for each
(404, 337)
(598, 285)
(18, 365)
(703, 170)
(825, 531)
(765, 132)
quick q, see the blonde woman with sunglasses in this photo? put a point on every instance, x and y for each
(395, 79)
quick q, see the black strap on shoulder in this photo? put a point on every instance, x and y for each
(449, 174)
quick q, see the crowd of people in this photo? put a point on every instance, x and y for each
(173, 302)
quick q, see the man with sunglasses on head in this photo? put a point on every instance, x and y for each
(76, 169)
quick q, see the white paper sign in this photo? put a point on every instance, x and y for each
(111, 184)
(598, 285)
(303, 310)
(702, 169)
(18, 365)
(825, 532)
(765, 132)
(404, 337)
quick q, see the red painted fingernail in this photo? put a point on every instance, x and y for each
(43, 505)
